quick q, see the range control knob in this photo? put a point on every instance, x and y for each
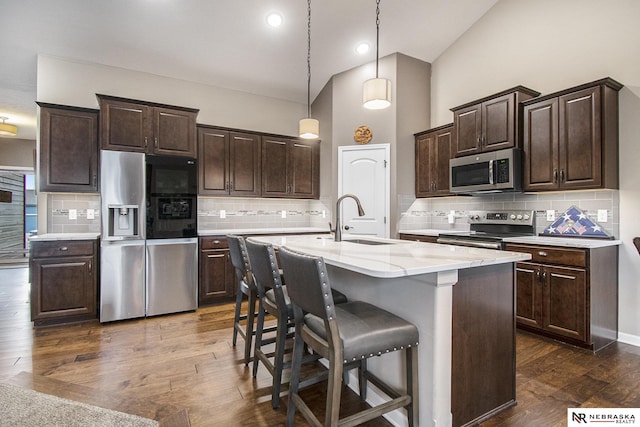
(512, 216)
(474, 217)
(519, 217)
(526, 216)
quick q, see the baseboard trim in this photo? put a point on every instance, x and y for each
(629, 339)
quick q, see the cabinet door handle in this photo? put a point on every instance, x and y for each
(95, 180)
(561, 175)
(63, 248)
(146, 142)
(538, 275)
(479, 142)
(555, 175)
(90, 268)
(544, 276)
(542, 253)
(216, 241)
(155, 141)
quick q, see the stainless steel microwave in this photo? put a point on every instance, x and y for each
(494, 171)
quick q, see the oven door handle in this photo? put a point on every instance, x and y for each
(470, 243)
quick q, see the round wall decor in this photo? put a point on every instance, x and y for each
(362, 135)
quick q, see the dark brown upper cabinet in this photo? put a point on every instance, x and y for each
(131, 125)
(290, 168)
(571, 138)
(491, 123)
(68, 149)
(433, 152)
(229, 162)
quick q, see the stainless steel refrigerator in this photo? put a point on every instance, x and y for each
(149, 245)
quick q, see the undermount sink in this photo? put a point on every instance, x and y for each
(367, 242)
(359, 241)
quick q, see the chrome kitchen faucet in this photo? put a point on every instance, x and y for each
(338, 232)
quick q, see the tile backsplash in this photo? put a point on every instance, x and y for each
(60, 213)
(237, 212)
(225, 213)
(415, 213)
(432, 212)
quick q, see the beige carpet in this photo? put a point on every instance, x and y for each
(25, 408)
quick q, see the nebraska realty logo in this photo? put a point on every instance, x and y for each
(584, 416)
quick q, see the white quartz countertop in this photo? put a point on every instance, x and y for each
(258, 231)
(398, 258)
(569, 242)
(64, 236)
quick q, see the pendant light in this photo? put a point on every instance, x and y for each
(6, 128)
(309, 128)
(376, 93)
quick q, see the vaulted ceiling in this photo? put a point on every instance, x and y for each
(224, 43)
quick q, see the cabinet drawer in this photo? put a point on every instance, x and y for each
(213, 243)
(552, 255)
(62, 248)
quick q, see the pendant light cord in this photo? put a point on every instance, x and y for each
(377, 34)
(309, 58)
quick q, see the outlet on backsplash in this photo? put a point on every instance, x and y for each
(602, 215)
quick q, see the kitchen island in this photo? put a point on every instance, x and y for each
(461, 299)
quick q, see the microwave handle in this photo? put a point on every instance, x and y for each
(491, 173)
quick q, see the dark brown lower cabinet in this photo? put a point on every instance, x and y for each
(64, 281)
(216, 276)
(569, 294)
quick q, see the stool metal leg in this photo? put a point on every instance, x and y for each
(334, 389)
(412, 383)
(236, 316)
(278, 361)
(249, 328)
(296, 364)
(258, 343)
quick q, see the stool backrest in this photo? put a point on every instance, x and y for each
(307, 283)
(266, 272)
(240, 259)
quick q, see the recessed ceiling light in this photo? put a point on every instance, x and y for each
(362, 48)
(274, 19)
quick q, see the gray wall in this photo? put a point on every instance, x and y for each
(341, 102)
(550, 45)
(76, 83)
(17, 153)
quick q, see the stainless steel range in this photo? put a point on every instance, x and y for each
(488, 229)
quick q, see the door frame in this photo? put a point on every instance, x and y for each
(386, 148)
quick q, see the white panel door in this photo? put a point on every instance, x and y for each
(363, 171)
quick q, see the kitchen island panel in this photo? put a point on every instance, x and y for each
(425, 300)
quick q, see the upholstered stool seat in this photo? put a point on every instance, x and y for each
(366, 330)
(345, 335)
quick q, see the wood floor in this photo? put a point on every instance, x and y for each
(161, 366)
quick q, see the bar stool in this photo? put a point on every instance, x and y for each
(344, 333)
(246, 286)
(273, 299)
